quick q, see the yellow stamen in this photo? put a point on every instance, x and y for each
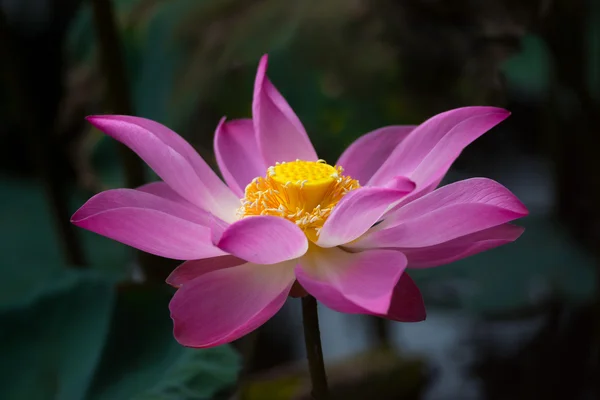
(303, 192)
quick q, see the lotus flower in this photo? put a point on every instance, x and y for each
(285, 222)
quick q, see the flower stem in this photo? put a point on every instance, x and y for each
(314, 352)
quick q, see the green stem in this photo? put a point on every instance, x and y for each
(314, 352)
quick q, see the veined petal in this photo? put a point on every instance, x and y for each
(237, 154)
(402, 184)
(462, 247)
(174, 160)
(261, 239)
(353, 283)
(450, 212)
(149, 223)
(407, 303)
(161, 189)
(356, 213)
(190, 270)
(429, 150)
(221, 306)
(364, 157)
(280, 134)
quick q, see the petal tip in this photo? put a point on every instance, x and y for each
(173, 281)
(261, 72)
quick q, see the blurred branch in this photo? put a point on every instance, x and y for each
(113, 66)
(38, 129)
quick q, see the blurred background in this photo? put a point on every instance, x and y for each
(82, 317)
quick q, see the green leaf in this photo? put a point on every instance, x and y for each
(142, 360)
(50, 349)
(197, 374)
(33, 264)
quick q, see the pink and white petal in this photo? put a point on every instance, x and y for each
(174, 160)
(280, 134)
(450, 212)
(262, 239)
(407, 302)
(355, 283)
(190, 270)
(364, 157)
(237, 154)
(467, 191)
(462, 247)
(161, 189)
(148, 223)
(221, 306)
(358, 211)
(141, 199)
(428, 151)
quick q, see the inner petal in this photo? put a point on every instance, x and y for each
(303, 192)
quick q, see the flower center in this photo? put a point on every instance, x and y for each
(303, 192)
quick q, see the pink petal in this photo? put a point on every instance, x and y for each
(407, 303)
(452, 211)
(174, 160)
(351, 282)
(280, 134)
(428, 151)
(356, 213)
(149, 223)
(192, 269)
(163, 190)
(237, 154)
(402, 184)
(462, 247)
(262, 239)
(364, 157)
(224, 305)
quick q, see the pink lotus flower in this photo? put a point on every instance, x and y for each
(344, 234)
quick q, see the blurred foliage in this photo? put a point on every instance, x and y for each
(67, 335)
(32, 261)
(50, 349)
(143, 361)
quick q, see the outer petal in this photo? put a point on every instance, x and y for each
(237, 154)
(190, 270)
(364, 157)
(427, 153)
(448, 213)
(462, 247)
(262, 239)
(352, 282)
(174, 160)
(224, 305)
(149, 223)
(280, 134)
(356, 213)
(163, 190)
(407, 303)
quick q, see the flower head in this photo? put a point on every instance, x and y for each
(344, 233)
